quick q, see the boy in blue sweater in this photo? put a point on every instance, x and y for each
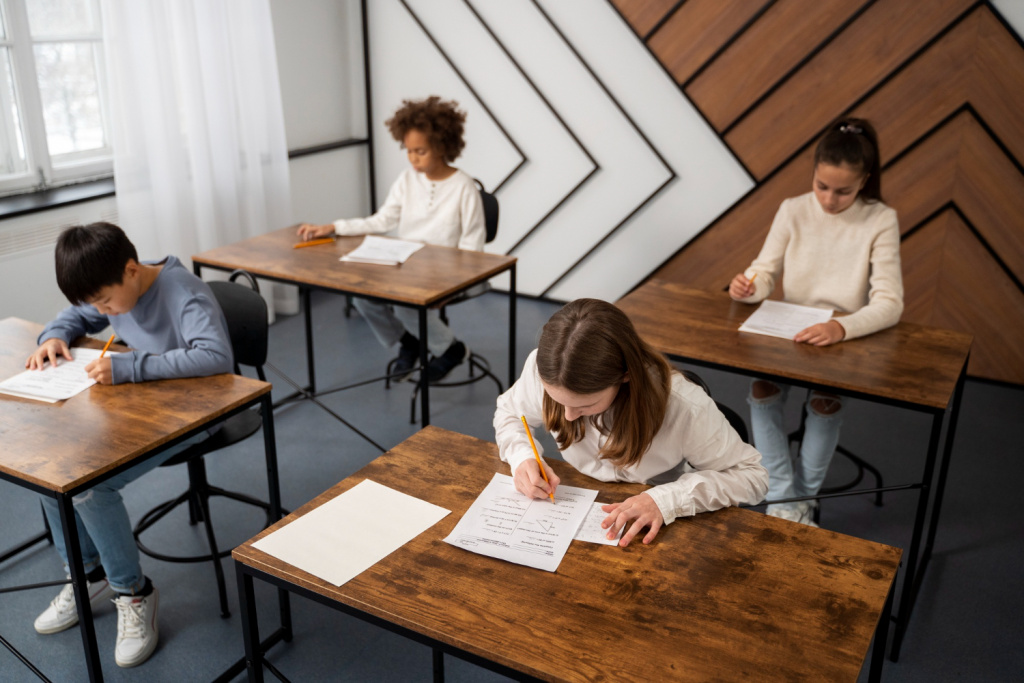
(172, 322)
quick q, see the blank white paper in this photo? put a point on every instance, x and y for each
(349, 534)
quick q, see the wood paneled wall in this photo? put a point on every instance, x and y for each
(943, 83)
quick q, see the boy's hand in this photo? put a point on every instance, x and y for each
(308, 231)
(100, 371)
(50, 350)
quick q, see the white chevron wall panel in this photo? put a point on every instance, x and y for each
(620, 170)
(555, 161)
(709, 181)
(405, 64)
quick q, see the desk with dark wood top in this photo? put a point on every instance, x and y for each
(727, 595)
(910, 366)
(430, 277)
(63, 449)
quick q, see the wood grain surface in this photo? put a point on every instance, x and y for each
(430, 275)
(728, 595)
(61, 446)
(906, 363)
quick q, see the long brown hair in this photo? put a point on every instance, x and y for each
(588, 346)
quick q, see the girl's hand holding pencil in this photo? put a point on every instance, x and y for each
(741, 287)
(530, 479)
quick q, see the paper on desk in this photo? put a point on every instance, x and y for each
(782, 319)
(384, 251)
(349, 534)
(590, 530)
(505, 524)
(54, 382)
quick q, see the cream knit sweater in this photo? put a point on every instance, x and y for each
(446, 212)
(849, 262)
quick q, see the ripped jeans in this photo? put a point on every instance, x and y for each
(104, 529)
(789, 478)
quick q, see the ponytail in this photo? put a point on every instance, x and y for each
(853, 142)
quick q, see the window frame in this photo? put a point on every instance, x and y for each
(43, 170)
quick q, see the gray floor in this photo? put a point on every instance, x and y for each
(966, 625)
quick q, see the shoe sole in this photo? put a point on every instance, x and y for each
(95, 602)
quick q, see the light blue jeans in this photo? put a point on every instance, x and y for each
(389, 322)
(804, 476)
(104, 529)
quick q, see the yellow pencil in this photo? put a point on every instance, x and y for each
(753, 278)
(540, 462)
(109, 342)
(311, 243)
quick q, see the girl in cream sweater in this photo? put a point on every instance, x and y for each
(837, 247)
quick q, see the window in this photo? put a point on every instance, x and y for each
(53, 120)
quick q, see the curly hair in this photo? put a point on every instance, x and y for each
(439, 120)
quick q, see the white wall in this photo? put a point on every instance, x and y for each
(319, 51)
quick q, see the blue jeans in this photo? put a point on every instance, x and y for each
(788, 478)
(104, 530)
(388, 323)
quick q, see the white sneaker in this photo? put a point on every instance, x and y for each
(136, 628)
(801, 513)
(62, 613)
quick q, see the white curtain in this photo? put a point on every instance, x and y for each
(200, 158)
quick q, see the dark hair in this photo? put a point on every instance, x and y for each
(588, 346)
(853, 142)
(91, 257)
(441, 122)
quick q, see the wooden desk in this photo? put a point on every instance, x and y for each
(721, 596)
(910, 366)
(63, 449)
(429, 278)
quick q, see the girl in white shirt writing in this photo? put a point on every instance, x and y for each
(838, 247)
(431, 202)
(618, 412)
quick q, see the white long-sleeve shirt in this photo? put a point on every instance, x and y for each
(697, 462)
(446, 212)
(849, 262)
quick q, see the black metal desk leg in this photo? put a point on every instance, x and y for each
(911, 578)
(881, 636)
(512, 325)
(307, 305)
(78, 580)
(438, 666)
(424, 381)
(250, 625)
(270, 451)
(274, 486)
(940, 487)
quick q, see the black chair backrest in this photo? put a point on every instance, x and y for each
(246, 314)
(490, 203)
(731, 415)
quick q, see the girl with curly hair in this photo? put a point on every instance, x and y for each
(431, 202)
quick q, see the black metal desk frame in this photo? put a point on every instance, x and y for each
(305, 291)
(917, 559)
(67, 517)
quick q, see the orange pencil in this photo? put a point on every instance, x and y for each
(537, 455)
(109, 342)
(754, 277)
(311, 243)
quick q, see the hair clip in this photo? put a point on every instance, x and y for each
(850, 128)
